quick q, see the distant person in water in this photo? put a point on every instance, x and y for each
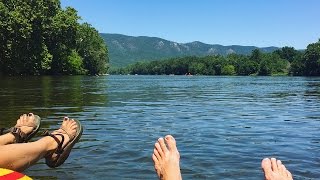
(166, 160)
(17, 153)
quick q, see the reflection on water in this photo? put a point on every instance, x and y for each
(224, 125)
(49, 96)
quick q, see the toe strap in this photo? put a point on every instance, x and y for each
(66, 132)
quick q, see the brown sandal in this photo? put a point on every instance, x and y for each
(63, 152)
(21, 137)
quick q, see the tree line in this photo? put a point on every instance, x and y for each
(38, 37)
(284, 61)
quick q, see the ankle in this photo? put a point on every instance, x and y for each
(56, 139)
(52, 144)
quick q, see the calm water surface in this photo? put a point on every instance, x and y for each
(224, 126)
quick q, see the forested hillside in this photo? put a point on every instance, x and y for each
(125, 50)
(284, 61)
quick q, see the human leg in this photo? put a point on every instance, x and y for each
(166, 159)
(20, 156)
(274, 170)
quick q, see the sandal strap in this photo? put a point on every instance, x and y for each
(18, 134)
(66, 132)
(59, 149)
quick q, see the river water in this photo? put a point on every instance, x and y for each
(224, 126)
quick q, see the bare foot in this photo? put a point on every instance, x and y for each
(68, 130)
(275, 170)
(166, 159)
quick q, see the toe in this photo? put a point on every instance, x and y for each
(30, 120)
(266, 165)
(156, 154)
(30, 117)
(20, 121)
(159, 150)
(26, 119)
(171, 143)
(279, 163)
(155, 159)
(282, 169)
(73, 124)
(163, 145)
(274, 165)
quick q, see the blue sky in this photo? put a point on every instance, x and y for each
(259, 23)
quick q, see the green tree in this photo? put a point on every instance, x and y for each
(278, 65)
(228, 70)
(247, 67)
(265, 68)
(256, 55)
(74, 64)
(197, 68)
(287, 53)
(312, 59)
(63, 39)
(297, 68)
(92, 49)
(39, 37)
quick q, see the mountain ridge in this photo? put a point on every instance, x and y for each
(125, 49)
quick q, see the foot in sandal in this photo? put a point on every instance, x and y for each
(27, 126)
(65, 137)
